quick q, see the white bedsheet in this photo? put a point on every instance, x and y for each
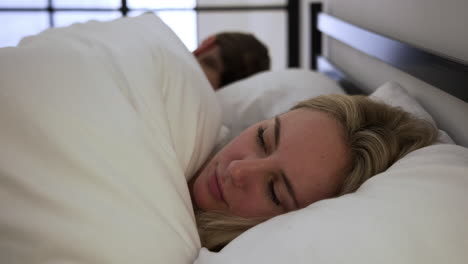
(101, 126)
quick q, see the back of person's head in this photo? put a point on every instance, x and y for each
(242, 55)
(377, 135)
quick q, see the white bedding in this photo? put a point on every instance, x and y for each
(102, 124)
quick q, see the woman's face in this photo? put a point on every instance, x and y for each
(275, 166)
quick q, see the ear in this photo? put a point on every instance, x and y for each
(206, 45)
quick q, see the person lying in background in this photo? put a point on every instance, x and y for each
(323, 147)
(230, 56)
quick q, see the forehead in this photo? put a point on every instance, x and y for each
(308, 126)
(312, 153)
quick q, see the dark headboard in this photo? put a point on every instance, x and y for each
(447, 74)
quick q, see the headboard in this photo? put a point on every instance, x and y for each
(438, 82)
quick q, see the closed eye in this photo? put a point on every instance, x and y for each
(272, 193)
(260, 138)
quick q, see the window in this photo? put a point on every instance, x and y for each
(111, 4)
(182, 22)
(16, 25)
(191, 20)
(29, 17)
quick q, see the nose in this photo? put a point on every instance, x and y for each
(246, 173)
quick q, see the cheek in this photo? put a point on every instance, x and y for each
(213, 77)
(322, 184)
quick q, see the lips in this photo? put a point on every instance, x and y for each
(215, 188)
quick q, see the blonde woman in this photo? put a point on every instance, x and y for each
(323, 147)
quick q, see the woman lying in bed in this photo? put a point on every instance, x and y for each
(324, 147)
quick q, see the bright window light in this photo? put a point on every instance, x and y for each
(88, 3)
(183, 23)
(16, 25)
(19, 24)
(63, 19)
(23, 3)
(153, 4)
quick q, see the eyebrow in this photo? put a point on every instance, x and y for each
(277, 130)
(282, 175)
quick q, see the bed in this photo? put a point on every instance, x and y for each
(404, 215)
(97, 147)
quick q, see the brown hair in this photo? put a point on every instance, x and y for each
(377, 136)
(242, 55)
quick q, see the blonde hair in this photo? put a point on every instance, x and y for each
(377, 135)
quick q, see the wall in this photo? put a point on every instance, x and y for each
(436, 25)
(268, 25)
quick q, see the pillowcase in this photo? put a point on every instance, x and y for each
(394, 94)
(266, 94)
(102, 126)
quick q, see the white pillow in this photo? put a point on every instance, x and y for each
(267, 94)
(102, 124)
(415, 212)
(394, 94)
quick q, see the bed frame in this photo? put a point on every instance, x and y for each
(448, 74)
(440, 83)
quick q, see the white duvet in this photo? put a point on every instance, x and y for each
(102, 124)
